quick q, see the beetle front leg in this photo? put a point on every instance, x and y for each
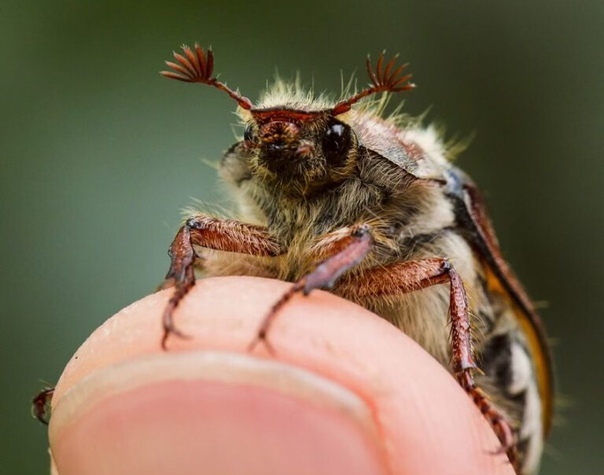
(212, 233)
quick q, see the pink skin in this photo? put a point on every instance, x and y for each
(345, 392)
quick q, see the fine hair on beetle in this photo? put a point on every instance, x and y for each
(335, 195)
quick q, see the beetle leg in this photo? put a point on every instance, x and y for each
(416, 275)
(346, 252)
(496, 419)
(211, 233)
(40, 405)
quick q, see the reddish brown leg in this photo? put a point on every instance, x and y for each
(496, 420)
(415, 275)
(40, 405)
(346, 251)
(211, 233)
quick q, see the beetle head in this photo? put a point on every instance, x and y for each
(288, 143)
(299, 147)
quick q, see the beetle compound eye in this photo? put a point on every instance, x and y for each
(248, 134)
(336, 141)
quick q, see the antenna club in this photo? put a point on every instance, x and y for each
(197, 66)
(384, 78)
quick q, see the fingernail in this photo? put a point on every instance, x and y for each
(212, 413)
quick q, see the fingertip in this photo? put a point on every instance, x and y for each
(419, 419)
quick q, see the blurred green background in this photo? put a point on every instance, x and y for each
(98, 154)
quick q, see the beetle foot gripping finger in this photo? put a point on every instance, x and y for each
(495, 418)
(182, 275)
(262, 334)
(345, 253)
(168, 325)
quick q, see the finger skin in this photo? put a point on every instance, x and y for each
(420, 421)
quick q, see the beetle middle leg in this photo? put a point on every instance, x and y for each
(346, 251)
(211, 233)
(409, 276)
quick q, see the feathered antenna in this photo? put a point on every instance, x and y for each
(198, 66)
(383, 79)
